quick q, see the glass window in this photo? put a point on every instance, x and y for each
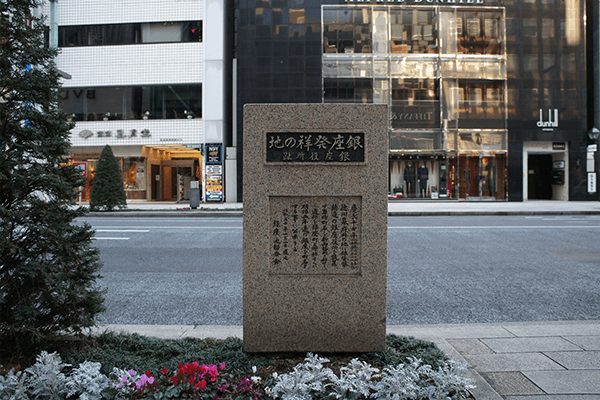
(347, 90)
(479, 32)
(413, 31)
(120, 34)
(481, 104)
(347, 30)
(415, 103)
(132, 102)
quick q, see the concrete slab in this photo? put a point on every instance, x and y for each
(175, 331)
(470, 346)
(589, 342)
(566, 382)
(576, 360)
(511, 383)
(511, 362)
(561, 328)
(530, 344)
(452, 331)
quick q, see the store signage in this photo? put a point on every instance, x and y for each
(305, 147)
(559, 146)
(591, 182)
(418, 1)
(214, 153)
(213, 156)
(412, 116)
(551, 123)
(558, 165)
(592, 148)
(81, 167)
(119, 133)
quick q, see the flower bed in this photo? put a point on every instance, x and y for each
(309, 380)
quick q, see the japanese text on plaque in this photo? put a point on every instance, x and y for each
(315, 235)
(324, 147)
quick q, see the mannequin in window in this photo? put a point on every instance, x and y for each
(423, 175)
(409, 178)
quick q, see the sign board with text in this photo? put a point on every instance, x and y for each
(315, 236)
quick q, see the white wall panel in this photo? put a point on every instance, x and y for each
(179, 132)
(92, 12)
(214, 29)
(149, 64)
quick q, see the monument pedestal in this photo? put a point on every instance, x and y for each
(315, 227)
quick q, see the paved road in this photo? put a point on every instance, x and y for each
(188, 271)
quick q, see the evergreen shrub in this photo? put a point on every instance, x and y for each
(107, 191)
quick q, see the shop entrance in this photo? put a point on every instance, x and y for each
(176, 178)
(481, 177)
(539, 182)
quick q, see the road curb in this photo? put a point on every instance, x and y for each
(485, 213)
(238, 214)
(167, 214)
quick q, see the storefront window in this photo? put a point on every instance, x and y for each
(133, 102)
(134, 174)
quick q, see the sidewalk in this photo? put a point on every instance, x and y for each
(395, 208)
(510, 361)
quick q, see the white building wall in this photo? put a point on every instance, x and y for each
(140, 64)
(91, 12)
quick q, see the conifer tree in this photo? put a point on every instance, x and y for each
(48, 269)
(107, 187)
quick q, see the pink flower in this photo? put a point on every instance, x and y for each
(222, 366)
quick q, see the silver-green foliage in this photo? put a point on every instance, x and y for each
(359, 380)
(45, 380)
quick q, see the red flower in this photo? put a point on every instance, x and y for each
(174, 380)
(148, 373)
(164, 371)
(201, 384)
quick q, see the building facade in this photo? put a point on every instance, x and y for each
(488, 99)
(152, 80)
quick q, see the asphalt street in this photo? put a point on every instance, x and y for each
(457, 269)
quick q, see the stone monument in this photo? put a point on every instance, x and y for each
(315, 227)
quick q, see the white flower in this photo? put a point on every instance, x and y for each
(253, 369)
(255, 379)
(275, 375)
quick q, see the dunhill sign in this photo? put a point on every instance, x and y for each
(551, 123)
(454, 2)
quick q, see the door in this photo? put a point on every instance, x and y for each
(154, 172)
(539, 177)
(479, 176)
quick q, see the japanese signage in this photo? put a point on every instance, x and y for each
(326, 147)
(119, 133)
(315, 235)
(591, 182)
